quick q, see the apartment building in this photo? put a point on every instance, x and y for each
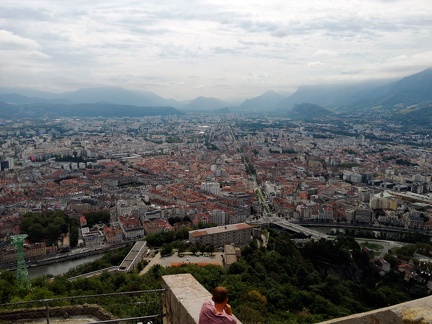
(156, 226)
(92, 237)
(238, 234)
(113, 235)
(211, 187)
(131, 227)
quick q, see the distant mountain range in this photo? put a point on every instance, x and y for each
(8, 110)
(114, 95)
(411, 90)
(414, 91)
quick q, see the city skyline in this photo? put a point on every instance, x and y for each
(212, 48)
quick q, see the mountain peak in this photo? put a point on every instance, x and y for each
(206, 103)
(268, 100)
(307, 111)
(270, 92)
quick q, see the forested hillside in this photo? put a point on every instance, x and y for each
(281, 283)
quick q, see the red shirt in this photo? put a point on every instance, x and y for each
(208, 315)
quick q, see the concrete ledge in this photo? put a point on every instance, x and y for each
(183, 298)
(417, 311)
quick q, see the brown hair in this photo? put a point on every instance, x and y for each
(220, 294)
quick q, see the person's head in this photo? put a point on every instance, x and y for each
(220, 295)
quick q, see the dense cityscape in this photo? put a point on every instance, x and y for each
(76, 187)
(153, 173)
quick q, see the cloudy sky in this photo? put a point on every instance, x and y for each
(225, 49)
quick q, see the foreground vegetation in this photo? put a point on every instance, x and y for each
(280, 283)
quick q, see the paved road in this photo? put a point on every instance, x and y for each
(387, 245)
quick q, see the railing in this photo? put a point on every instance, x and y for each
(123, 307)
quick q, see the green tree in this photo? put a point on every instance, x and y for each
(237, 268)
(393, 260)
(158, 239)
(96, 217)
(183, 233)
(193, 249)
(173, 220)
(407, 250)
(166, 249)
(187, 219)
(39, 293)
(210, 249)
(60, 286)
(181, 248)
(8, 286)
(36, 232)
(73, 232)
(52, 232)
(202, 248)
(249, 315)
(45, 227)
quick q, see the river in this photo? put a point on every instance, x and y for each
(377, 232)
(59, 268)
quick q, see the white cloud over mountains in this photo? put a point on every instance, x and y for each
(225, 49)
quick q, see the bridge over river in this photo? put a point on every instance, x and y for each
(307, 228)
(294, 227)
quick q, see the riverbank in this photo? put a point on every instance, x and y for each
(73, 255)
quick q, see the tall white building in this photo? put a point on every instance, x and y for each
(211, 187)
(218, 217)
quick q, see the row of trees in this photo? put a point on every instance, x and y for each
(97, 217)
(176, 219)
(182, 247)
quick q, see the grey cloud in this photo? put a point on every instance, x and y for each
(253, 26)
(225, 50)
(196, 11)
(160, 43)
(11, 41)
(149, 31)
(333, 26)
(280, 33)
(351, 72)
(22, 13)
(254, 43)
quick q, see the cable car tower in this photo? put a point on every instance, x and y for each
(22, 273)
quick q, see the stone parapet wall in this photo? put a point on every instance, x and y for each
(183, 298)
(417, 311)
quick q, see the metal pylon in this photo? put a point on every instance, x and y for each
(22, 273)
